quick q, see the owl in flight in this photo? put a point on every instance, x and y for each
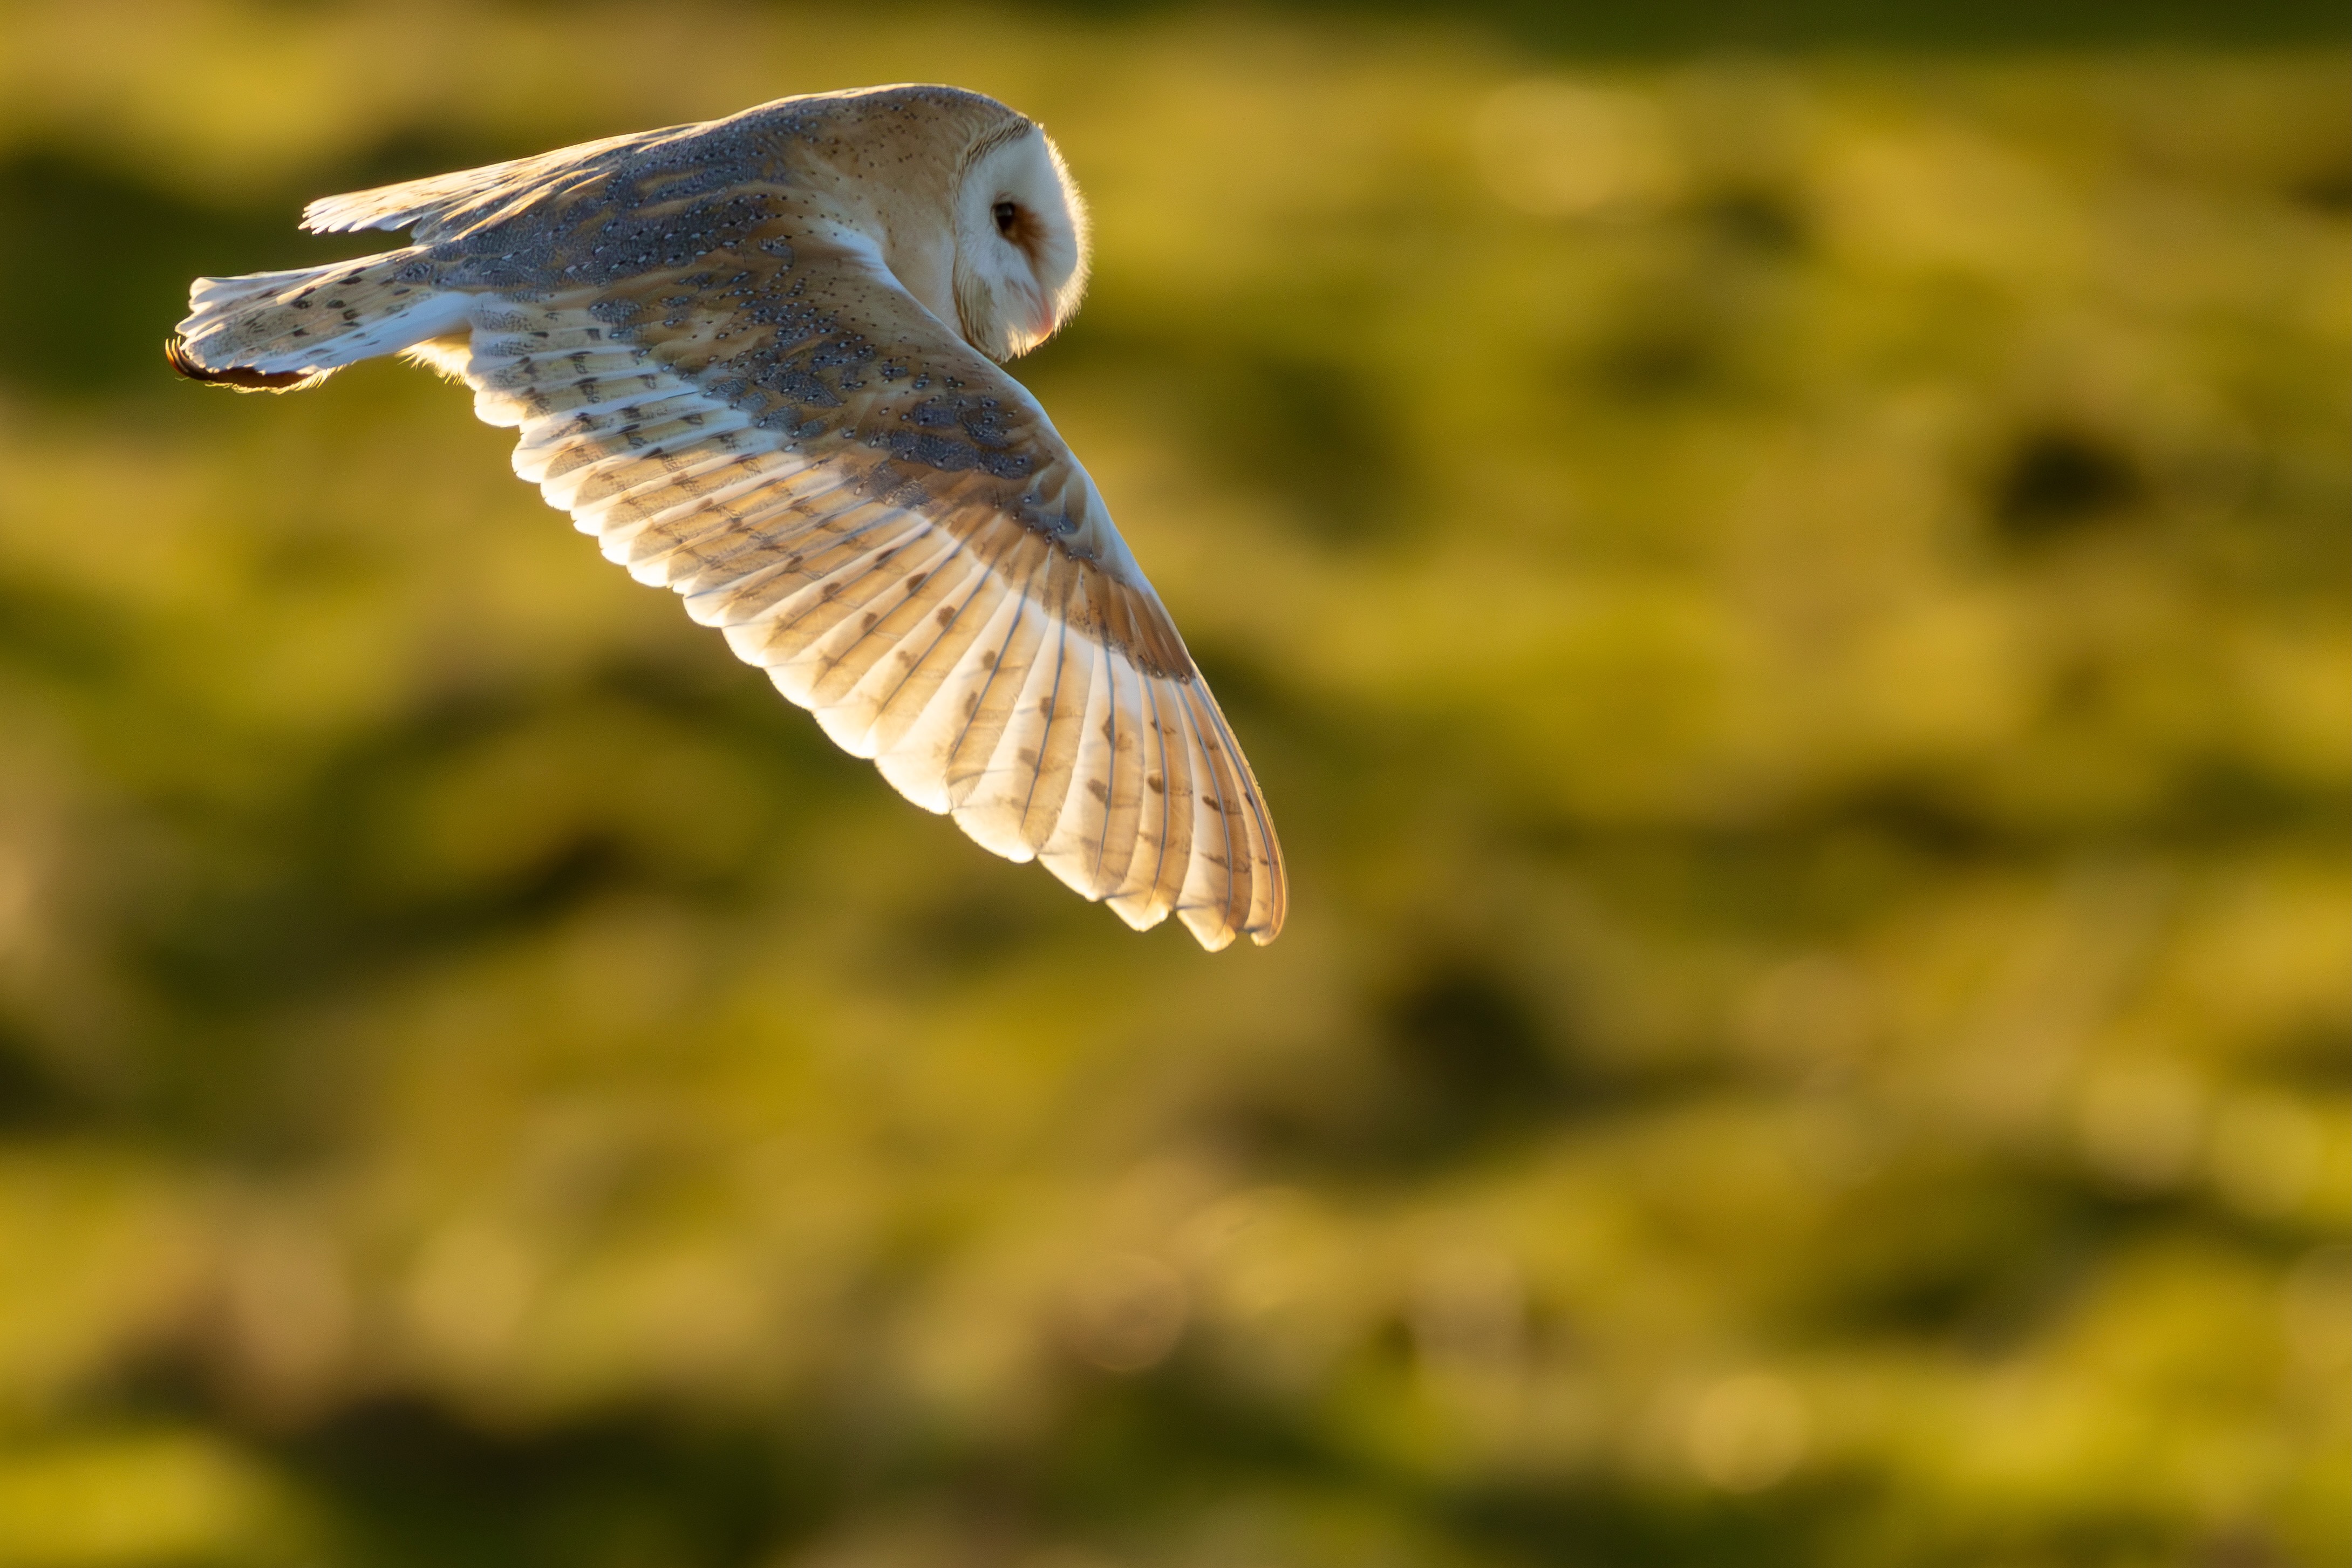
(756, 358)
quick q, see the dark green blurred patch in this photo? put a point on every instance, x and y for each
(2330, 189)
(1702, 321)
(1757, 218)
(2058, 480)
(250, 933)
(1314, 433)
(1983, 1268)
(1220, 1455)
(1576, 1528)
(404, 1483)
(36, 1097)
(59, 636)
(1458, 1066)
(1676, 26)
(1658, 354)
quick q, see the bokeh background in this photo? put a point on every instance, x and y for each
(1783, 569)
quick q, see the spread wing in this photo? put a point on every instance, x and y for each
(891, 527)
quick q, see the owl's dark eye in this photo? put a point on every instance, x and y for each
(1007, 215)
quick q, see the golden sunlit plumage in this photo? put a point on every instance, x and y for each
(753, 358)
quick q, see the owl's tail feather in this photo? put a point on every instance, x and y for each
(281, 331)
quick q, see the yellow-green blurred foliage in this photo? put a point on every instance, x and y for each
(1792, 611)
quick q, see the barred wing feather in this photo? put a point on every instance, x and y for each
(891, 527)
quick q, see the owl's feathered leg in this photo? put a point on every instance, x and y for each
(281, 331)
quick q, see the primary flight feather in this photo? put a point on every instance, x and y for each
(754, 357)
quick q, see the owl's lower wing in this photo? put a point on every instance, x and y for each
(890, 526)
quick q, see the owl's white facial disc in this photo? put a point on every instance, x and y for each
(1021, 244)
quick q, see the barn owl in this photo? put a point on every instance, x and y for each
(756, 358)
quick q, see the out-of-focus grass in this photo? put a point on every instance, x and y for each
(1792, 617)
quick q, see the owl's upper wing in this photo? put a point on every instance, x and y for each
(443, 204)
(891, 527)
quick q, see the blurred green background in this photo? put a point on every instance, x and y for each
(1782, 567)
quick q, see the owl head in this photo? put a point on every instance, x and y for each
(1020, 241)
